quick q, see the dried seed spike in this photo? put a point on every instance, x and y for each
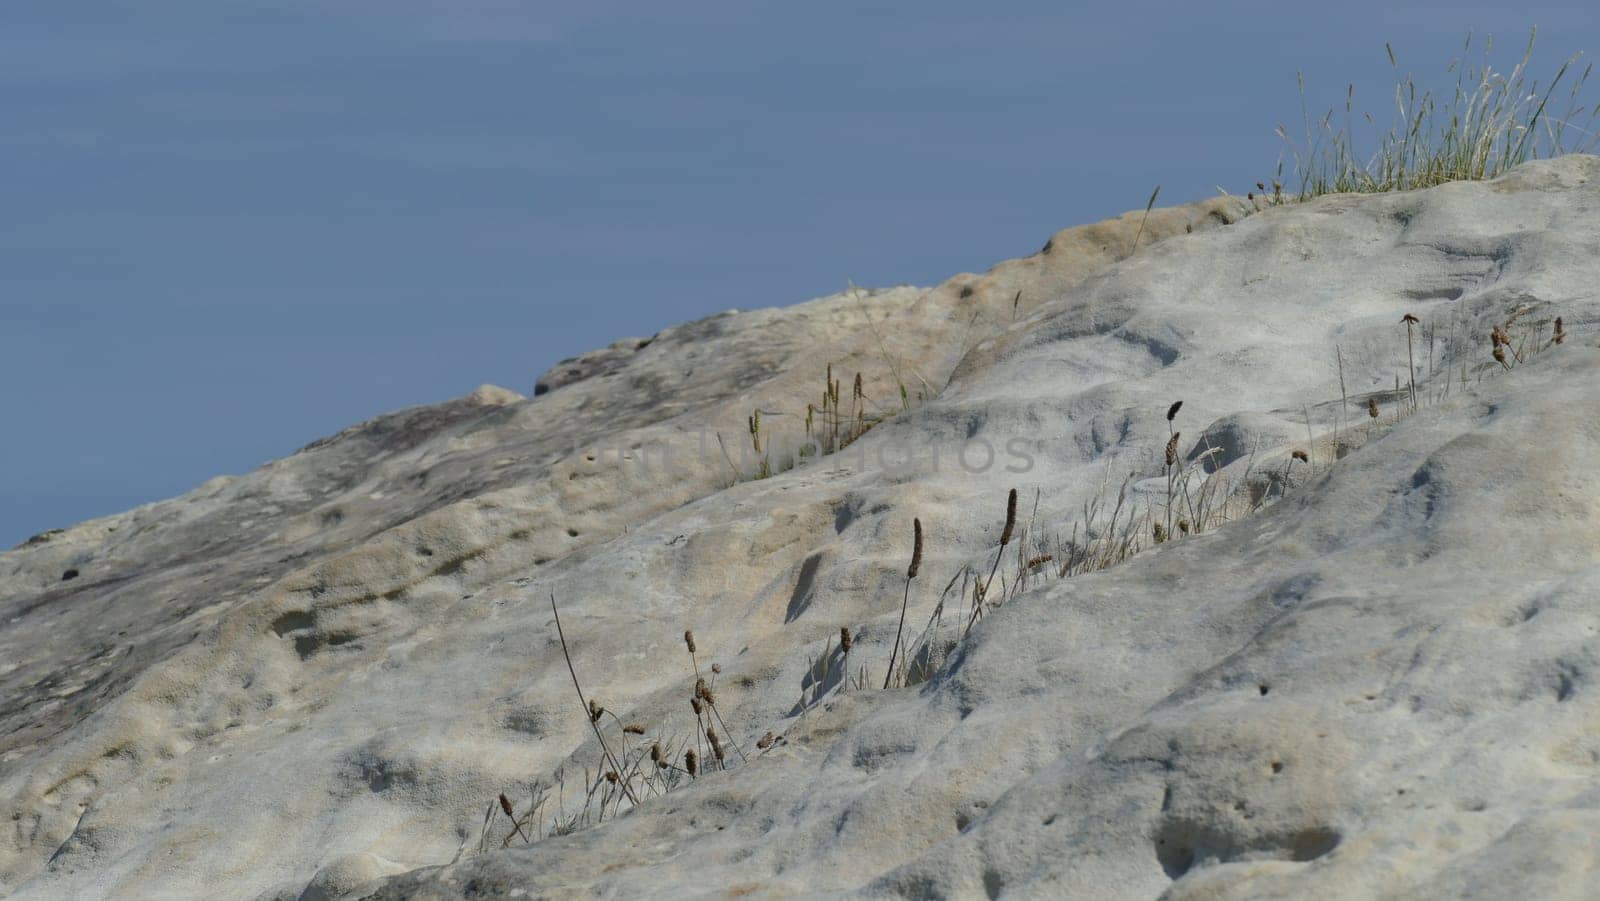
(1560, 335)
(695, 703)
(691, 761)
(1301, 456)
(688, 639)
(1500, 356)
(700, 688)
(595, 711)
(1372, 407)
(1160, 532)
(716, 668)
(655, 753)
(611, 776)
(716, 745)
(764, 742)
(1011, 518)
(633, 729)
(1172, 411)
(505, 805)
(710, 699)
(859, 393)
(1183, 526)
(844, 638)
(916, 548)
(1408, 318)
(1172, 449)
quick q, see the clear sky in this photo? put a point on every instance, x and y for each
(229, 228)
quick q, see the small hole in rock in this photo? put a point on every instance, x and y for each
(425, 551)
(69, 575)
(1264, 690)
(572, 533)
(1277, 766)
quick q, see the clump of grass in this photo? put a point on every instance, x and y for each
(1490, 122)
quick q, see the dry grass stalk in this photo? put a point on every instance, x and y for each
(980, 592)
(905, 600)
(582, 701)
(505, 805)
(1411, 360)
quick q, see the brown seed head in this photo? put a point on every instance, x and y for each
(633, 729)
(655, 753)
(1560, 335)
(688, 639)
(844, 639)
(611, 776)
(1011, 518)
(1038, 561)
(916, 548)
(716, 668)
(1183, 526)
(1160, 532)
(595, 710)
(1372, 407)
(695, 703)
(859, 393)
(1172, 449)
(1409, 319)
(716, 744)
(1301, 456)
(505, 804)
(1172, 411)
(764, 742)
(691, 761)
(1500, 355)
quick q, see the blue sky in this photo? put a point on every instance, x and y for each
(229, 228)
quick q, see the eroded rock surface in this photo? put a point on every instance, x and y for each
(1377, 678)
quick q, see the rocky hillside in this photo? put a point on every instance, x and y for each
(1329, 628)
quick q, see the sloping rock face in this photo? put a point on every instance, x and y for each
(1367, 672)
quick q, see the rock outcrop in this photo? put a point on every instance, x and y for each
(1367, 671)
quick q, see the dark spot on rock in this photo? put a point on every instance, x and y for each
(1050, 819)
(1264, 689)
(425, 551)
(1048, 246)
(1277, 766)
(69, 575)
(966, 291)
(572, 533)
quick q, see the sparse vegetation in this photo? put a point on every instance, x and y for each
(1488, 123)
